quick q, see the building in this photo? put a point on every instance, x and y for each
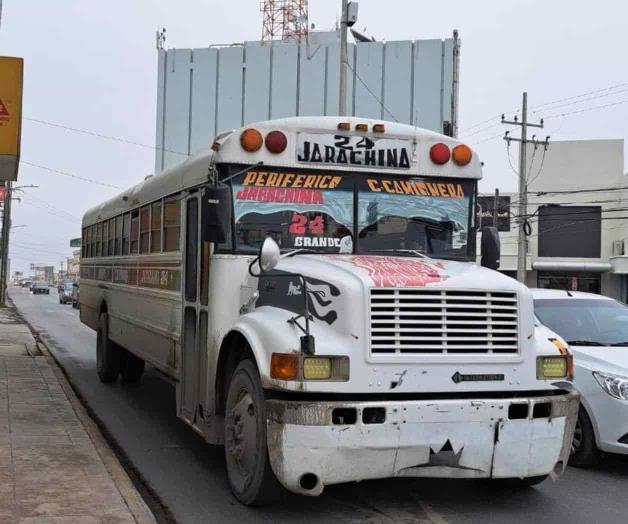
(206, 91)
(577, 218)
(73, 264)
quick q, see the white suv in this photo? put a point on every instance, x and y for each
(596, 329)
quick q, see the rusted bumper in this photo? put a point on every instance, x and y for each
(461, 438)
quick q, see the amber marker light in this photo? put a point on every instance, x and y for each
(461, 155)
(251, 140)
(344, 126)
(361, 127)
(284, 366)
(378, 128)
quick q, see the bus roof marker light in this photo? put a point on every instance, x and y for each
(379, 128)
(276, 142)
(462, 155)
(344, 126)
(251, 140)
(361, 127)
(440, 154)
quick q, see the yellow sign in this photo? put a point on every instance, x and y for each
(11, 71)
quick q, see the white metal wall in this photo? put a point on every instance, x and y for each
(202, 92)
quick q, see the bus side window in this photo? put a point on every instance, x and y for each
(89, 242)
(155, 227)
(99, 239)
(83, 243)
(112, 236)
(118, 240)
(105, 232)
(172, 223)
(144, 229)
(135, 230)
(126, 226)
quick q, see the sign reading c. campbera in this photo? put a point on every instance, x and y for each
(11, 72)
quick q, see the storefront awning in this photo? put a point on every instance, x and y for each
(589, 267)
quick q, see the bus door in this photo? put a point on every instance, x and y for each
(195, 316)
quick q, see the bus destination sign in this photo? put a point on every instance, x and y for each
(341, 150)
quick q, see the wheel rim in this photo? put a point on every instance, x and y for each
(241, 439)
(576, 443)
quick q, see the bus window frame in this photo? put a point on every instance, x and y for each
(118, 238)
(152, 230)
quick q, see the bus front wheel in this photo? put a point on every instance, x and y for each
(107, 352)
(251, 477)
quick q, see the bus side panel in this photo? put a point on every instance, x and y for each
(91, 298)
(148, 324)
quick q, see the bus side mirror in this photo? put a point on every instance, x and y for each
(216, 213)
(269, 255)
(490, 248)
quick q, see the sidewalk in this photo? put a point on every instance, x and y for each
(55, 467)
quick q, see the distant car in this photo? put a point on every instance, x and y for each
(26, 283)
(61, 284)
(39, 287)
(596, 329)
(65, 292)
(75, 295)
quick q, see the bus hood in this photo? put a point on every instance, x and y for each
(397, 272)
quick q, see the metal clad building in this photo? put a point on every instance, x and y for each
(202, 92)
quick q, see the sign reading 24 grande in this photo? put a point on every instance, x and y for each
(341, 150)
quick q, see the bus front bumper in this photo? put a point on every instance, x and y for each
(313, 444)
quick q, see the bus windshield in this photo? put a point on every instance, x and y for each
(326, 212)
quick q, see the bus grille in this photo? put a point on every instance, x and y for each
(426, 321)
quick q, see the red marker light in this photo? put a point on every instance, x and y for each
(440, 154)
(276, 142)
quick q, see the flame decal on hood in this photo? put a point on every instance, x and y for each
(400, 272)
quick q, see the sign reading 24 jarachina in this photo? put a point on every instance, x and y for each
(11, 72)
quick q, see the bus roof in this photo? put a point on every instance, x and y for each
(312, 143)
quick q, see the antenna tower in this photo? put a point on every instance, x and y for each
(284, 19)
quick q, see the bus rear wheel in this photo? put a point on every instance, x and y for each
(250, 475)
(107, 352)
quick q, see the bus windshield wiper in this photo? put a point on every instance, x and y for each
(584, 343)
(407, 251)
(300, 251)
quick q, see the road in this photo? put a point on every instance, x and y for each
(188, 475)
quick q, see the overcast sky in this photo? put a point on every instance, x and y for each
(92, 65)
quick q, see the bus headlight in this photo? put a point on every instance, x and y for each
(552, 367)
(316, 368)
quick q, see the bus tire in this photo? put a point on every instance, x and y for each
(107, 352)
(132, 367)
(584, 452)
(251, 478)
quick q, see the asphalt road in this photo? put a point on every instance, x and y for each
(189, 476)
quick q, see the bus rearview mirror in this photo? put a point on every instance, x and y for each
(216, 215)
(269, 255)
(490, 246)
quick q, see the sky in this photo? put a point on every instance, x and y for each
(93, 66)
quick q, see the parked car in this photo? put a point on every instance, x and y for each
(65, 292)
(39, 287)
(596, 329)
(75, 295)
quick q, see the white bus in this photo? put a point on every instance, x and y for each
(310, 285)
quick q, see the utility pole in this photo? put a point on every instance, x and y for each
(522, 241)
(342, 91)
(4, 254)
(496, 208)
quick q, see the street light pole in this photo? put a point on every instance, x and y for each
(342, 91)
(4, 254)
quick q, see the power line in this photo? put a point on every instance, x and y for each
(613, 104)
(609, 88)
(379, 101)
(101, 135)
(63, 173)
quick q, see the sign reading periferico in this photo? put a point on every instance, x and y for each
(364, 151)
(10, 115)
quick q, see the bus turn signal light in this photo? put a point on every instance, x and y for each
(440, 154)
(251, 140)
(284, 366)
(276, 142)
(461, 155)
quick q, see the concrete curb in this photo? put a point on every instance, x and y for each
(138, 508)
